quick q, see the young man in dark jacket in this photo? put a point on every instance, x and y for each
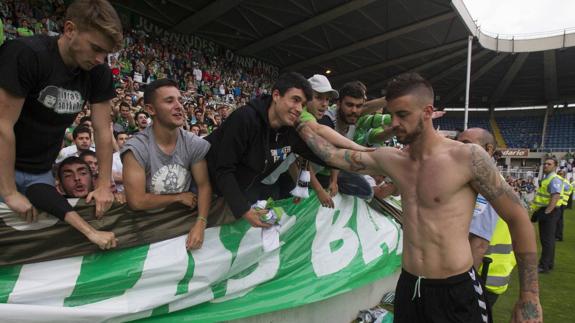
(253, 142)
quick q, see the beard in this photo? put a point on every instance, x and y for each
(411, 137)
(343, 117)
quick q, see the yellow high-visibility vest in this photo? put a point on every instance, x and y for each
(567, 190)
(542, 196)
(501, 252)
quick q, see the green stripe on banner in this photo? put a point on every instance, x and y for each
(164, 309)
(183, 283)
(107, 274)
(8, 277)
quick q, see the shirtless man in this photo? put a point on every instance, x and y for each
(439, 180)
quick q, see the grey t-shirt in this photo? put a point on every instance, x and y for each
(167, 174)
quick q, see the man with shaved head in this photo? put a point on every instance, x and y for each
(488, 234)
(439, 180)
(484, 216)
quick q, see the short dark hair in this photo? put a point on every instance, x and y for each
(72, 160)
(85, 118)
(405, 84)
(150, 91)
(117, 134)
(353, 89)
(87, 153)
(552, 159)
(81, 129)
(141, 112)
(291, 80)
(124, 104)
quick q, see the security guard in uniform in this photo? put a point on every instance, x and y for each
(546, 210)
(567, 190)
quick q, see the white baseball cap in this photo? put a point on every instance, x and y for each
(320, 84)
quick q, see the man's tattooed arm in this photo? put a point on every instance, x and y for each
(527, 265)
(528, 308)
(350, 160)
(486, 178)
(487, 181)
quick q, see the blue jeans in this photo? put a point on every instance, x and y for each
(350, 184)
(24, 180)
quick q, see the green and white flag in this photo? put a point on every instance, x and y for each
(323, 252)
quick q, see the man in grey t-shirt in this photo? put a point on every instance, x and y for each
(161, 161)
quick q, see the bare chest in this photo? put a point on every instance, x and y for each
(433, 183)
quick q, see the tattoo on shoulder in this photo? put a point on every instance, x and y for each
(353, 158)
(486, 177)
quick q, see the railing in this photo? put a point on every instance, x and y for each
(519, 172)
(554, 150)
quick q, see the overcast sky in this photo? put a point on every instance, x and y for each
(516, 17)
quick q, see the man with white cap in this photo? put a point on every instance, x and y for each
(351, 104)
(322, 93)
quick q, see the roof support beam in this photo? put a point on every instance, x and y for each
(508, 78)
(456, 67)
(479, 73)
(159, 10)
(212, 11)
(303, 26)
(373, 40)
(422, 67)
(400, 60)
(550, 75)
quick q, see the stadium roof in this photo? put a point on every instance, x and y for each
(374, 40)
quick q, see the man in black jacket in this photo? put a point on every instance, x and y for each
(253, 142)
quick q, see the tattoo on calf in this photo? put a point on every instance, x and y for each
(354, 160)
(486, 177)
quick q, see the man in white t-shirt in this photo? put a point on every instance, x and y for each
(121, 138)
(82, 141)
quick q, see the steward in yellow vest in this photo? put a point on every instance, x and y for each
(500, 251)
(546, 209)
(567, 190)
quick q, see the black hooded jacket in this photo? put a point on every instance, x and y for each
(245, 149)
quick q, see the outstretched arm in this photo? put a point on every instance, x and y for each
(335, 138)
(487, 181)
(350, 160)
(375, 105)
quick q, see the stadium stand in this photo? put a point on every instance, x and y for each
(521, 131)
(560, 131)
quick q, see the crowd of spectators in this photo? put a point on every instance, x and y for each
(212, 86)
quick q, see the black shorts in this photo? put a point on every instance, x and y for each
(459, 298)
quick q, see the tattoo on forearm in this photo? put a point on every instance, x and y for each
(487, 179)
(529, 311)
(527, 268)
(321, 147)
(353, 158)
